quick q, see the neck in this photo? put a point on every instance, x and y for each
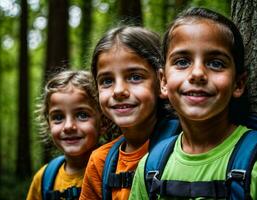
(136, 136)
(77, 164)
(202, 136)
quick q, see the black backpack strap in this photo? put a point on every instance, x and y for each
(154, 167)
(49, 175)
(70, 193)
(110, 168)
(121, 180)
(208, 189)
(240, 166)
(251, 121)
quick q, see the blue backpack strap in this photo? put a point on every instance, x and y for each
(164, 129)
(240, 166)
(110, 168)
(237, 185)
(49, 175)
(155, 164)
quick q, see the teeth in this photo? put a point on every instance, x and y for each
(123, 106)
(196, 94)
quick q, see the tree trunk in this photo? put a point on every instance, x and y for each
(86, 24)
(57, 36)
(244, 14)
(57, 54)
(23, 155)
(130, 12)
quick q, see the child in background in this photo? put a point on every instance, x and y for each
(204, 78)
(124, 65)
(70, 115)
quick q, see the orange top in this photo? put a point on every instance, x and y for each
(92, 183)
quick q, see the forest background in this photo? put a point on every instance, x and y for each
(37, 36)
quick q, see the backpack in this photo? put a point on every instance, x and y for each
(251, 121)
(48, 179)
(164, 129)
(236, 186)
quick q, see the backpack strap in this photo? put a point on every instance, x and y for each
(251, 121)
(240, 166)
(237, 185)
(163, 129)
(110, 168)
(154, 167)
(49, 175)
(68, 194)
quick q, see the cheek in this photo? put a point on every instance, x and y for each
(225, 84)
(92, 134)
(104, 95)
(146, 93)
(55, 129)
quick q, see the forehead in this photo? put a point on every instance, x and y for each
(71, 95)
(120, 58)
(201, 32)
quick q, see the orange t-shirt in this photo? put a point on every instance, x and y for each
(92, 183)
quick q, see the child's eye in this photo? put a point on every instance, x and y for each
(105, 82)
(135, 78)
(182, 63)
(82, 115)
(56, 118)
(215, 64)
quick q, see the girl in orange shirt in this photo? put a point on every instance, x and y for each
(124, 65)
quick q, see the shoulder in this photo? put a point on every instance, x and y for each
(101, 152)
(38, 176)
(98, 156)
(35, 186)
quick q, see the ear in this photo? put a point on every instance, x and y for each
(163, 83)
(240, 85)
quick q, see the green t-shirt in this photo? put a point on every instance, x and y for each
(207, 166)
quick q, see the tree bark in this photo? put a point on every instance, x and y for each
(57, 35)
(244, 14)
(130, 12)
(23, 165)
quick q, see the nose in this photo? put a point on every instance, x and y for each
(70, 125)
(198, 74)
(120, 90)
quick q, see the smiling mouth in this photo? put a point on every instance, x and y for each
(197, 94)
(123, 106)
(72, 138)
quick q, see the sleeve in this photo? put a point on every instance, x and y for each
(254, 182)
(34, 192)
(138, 189)
(92, 182)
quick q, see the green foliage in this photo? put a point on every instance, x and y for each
(219, 6)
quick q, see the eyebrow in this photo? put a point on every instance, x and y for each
(208, 52)
(130, 69)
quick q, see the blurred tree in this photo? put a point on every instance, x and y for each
(86, 25)
(57, 35)
(1, 100)
(57, 50)
(23, 165)
(244, 14)
(130, 12)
